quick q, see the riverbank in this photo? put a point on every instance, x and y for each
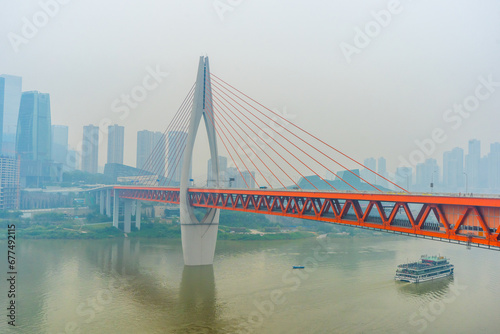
(148, 230)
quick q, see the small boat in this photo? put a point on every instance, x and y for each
(298, 267)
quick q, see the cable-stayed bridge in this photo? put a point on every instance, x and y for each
(279, 166)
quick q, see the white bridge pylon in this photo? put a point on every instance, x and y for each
(199, 237)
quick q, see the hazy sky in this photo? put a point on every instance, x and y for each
(367, 95)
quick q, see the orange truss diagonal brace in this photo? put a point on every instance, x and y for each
(442, 218)
(482, 222)
(409, 215)
(460, 221)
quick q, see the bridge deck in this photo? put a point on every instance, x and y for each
(471, 220)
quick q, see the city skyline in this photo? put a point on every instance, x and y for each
(105, 138)
(404, 75)
(446, 173)
(459, 172)
(128, 154)
(349, 138)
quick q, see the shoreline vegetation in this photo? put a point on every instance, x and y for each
(237, 226)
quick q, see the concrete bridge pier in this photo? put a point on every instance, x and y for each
(199, 239)
(127, 215)
(108, 202)
(116, 208)
(138, 208)
(101, 201)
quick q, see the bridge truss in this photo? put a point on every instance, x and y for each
(473, 221)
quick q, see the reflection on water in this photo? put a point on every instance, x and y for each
(187, 307)
(118, 256)
(439, 287)
(142, 286)
(197, 300)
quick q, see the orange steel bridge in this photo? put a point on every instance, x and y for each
(464, 220)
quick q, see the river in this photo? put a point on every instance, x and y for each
(142, 286)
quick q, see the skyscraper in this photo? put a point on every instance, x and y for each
(382, 170)
(10, 100)
(472, 161)
(2, 107)
(483, 173)
(60, 143)
(494, 167)
(369, 176)
(9, 183)
(90, 148)
(175, 155)
(115, 144)
(73, 160)
(243, 179)
(420, 181)
(453, 169)
(427, 175)
(404, 177)
(223, 180)
(431, 172)
(33, 140)
(148, 143)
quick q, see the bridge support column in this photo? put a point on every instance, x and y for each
(101, 202)
(108, 202)
(138, 208)
(198, 243)
(199, 237)
(116, 208)
(127, 215)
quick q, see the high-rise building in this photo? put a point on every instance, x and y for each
(33, 141)
(368, 175)
(431, 172)
(240, 180)
(453, 169)
(472, 161)
(176, 141)
(223, 180)
(427, 175)
(73, 160)
(9, 183)
(60, 143)
(249, 180)
(420, 181)
(2, 107)
(494, 167)
(404, 177)
(115, 144)
(10, 100)
(151, 151)
(382, 171)
(90, 148)
(483, 173)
